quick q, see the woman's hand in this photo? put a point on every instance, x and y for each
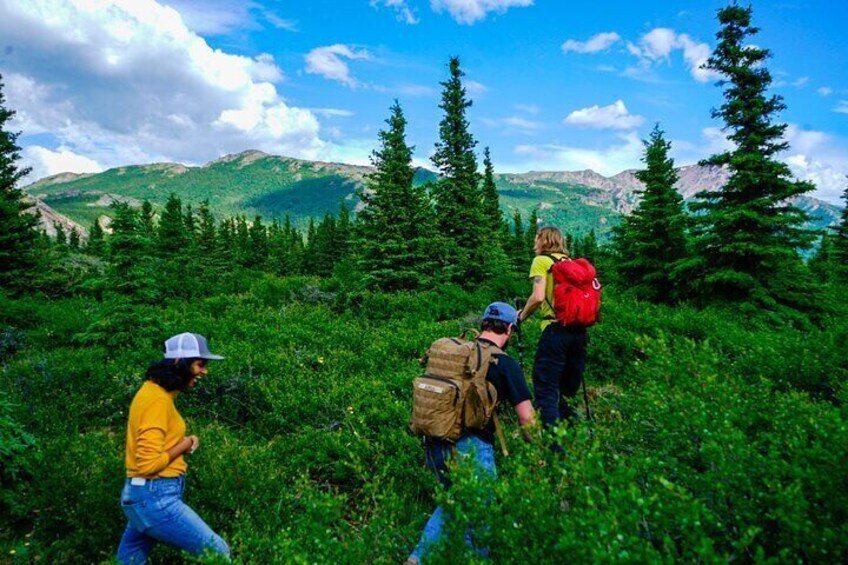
(195, 443)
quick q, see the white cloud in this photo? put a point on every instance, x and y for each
(474, 87)
(801, 82)
(469, 11)
(614, 116)
(813, 156)
(124, 82)
(842, 107)
(657, 46)
(402, 10)
(528, 108)
(331, 112)
(596, 43)
(329, 62)
(825, 91)
(609, 160)
(223, 17)
(514, 124)
(45, 162)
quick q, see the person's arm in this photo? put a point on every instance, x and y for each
(526, 414)
(151, 455)
(537, 297)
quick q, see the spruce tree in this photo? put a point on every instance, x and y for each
(74, 239)
(491, 206)
(131, 265)
(323, 251)
(839, 245)
(652, 239)
(172, 236)
(95, 245)
(530, 236)
(257, 257)
(749, 234)
(206, 234)
(458, 200)
(394, 228)
(344, 233)
(61, 236)
(18, 235)
(147, 223)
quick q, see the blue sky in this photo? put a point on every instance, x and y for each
(556, 85)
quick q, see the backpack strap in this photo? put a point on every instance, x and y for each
(500, 434)
(492, 350)
(550, 272)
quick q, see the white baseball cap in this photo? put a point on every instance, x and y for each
(188, 346)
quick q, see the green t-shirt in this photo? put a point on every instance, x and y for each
(540, 268)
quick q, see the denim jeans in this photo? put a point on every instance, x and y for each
(437, 456)
(558, 371)
(155, 512)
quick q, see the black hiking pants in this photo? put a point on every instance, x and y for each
(558, 371)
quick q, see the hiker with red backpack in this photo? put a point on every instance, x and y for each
(454, 404)
(567, 293)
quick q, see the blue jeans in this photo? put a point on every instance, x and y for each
(156, 512)
(558, 371)
(437, 456)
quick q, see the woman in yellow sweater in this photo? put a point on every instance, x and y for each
(155, 459)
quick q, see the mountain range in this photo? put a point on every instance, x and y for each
(253, 182)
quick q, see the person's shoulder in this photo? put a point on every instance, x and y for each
(540, 265)
(507, 365)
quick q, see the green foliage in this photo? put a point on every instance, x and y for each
(748, 237)
(457, 196)
(17, 228)
(715, 437)
(652, 239)
(395, 228)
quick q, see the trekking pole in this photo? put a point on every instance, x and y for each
(519, 337)
(586, 400)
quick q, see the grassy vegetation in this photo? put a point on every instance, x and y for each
(716, 438)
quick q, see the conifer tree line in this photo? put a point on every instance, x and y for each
(739, 244)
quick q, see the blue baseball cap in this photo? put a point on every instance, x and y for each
(501, 311)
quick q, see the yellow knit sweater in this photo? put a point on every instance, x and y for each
(154, 427)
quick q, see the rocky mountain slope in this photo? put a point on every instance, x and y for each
(272, 186)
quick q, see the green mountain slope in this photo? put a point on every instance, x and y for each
(253, 183)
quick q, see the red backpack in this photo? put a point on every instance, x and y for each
(577, 292)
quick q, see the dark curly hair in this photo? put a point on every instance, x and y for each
(495, 326)
(171, 374)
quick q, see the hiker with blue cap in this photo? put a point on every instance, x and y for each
(455, 401)
(156, 458)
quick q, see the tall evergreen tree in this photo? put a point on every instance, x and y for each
(344, 233)
(146, 219)
(458, 201)
(95, 244)
(206, 234)
(652, 239)
(530, 234)
(839, 247)
(491, 206)
(258, 254)
(394, 227)
(173, 239)
(749, 234)
(18, 236)
(131, 268)
(61, 236)
(74, 239)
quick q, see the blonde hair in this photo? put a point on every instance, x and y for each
(550, 240)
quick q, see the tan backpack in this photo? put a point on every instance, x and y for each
(453, 395)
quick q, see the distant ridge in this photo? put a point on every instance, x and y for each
(254, 182)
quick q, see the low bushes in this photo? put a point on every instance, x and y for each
(707, 443)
